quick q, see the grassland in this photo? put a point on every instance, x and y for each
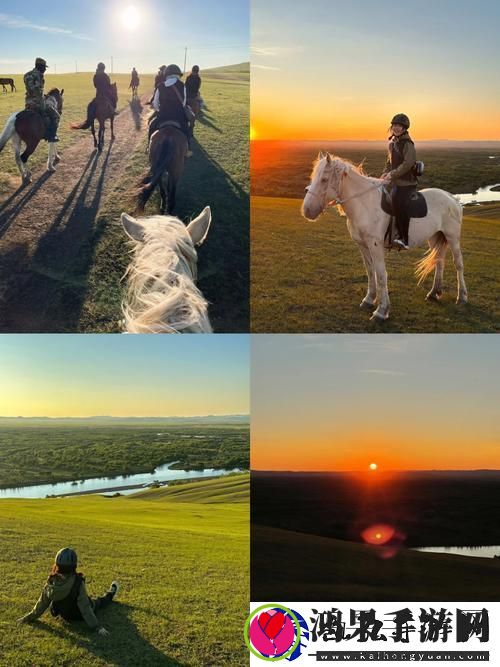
(309, 276)
(36, 454)
(183, 567)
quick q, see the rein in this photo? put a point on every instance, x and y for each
(337, 201)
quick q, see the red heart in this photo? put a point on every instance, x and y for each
(272, 625)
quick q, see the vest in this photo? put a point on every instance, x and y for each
(170, 106)
(68, 606)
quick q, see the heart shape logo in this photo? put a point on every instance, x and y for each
(272, 625)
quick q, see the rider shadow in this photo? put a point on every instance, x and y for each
(55, 280)
(205, 120)
(19, 201)
(224, 257)
(136, 110)
(123, 647)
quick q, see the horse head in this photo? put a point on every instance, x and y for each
(57, 96)
(326, 184)
(114, 93)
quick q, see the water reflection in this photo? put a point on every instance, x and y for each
(483, 552)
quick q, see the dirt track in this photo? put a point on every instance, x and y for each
(49, 225)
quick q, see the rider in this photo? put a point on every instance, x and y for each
(170, 103)
(400, 173)
(193, 83)
(34, 82)
(102, 83)
(66, 594)
(134, 78)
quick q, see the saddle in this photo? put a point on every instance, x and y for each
(417, 205)
(169, 123)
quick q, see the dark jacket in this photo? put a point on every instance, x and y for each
(102, 83)
(171, 108)
(193, 85)
(401, 160)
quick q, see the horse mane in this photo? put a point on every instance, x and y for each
(54, 91)
(162, 296)
(357, 167)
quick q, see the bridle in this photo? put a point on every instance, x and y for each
(337, 200)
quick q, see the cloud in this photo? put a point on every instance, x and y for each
(19, 22)
(266, 67)
(275, 51)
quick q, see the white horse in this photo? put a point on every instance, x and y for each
(31, 132)
(335, 181)
(162, 296)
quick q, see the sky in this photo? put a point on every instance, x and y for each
(403, 402)
(72, 35)
(332, 69)
(124, 376)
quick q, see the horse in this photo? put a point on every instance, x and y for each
(358, 197)
(8, 82)
(100, 109)
(161, 296)
(134, 84)
(167, 151)
(28, 126)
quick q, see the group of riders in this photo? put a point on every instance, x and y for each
(169, 101)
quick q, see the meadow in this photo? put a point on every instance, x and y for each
(182, 563)
(78, 265)
(39, 454)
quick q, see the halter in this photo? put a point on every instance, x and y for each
(336, 201)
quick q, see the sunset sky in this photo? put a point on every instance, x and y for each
(337, 403)
(140, 33)
(88, 375)
(336, 70)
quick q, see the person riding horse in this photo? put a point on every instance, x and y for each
(400, 173)
(35, 101)
(169, 102)
(134, 79)
(102, 83)
(193, 83)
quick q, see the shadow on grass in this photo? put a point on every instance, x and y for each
(46, 292)
(19, 199)
(224, 257)
(124, 647)
(205, 120)
(136, 110)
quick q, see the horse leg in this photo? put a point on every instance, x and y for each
(172, 192)
(459, 265)
(93, 133)
(377, 254)
(437, 286)
(16, 143)
(51, 157)
(371, 294)
(164, 192)
(100, 142)
(112, 128)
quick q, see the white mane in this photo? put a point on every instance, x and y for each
(162, 296)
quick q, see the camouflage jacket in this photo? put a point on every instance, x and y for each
(34, 83)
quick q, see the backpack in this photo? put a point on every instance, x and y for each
(68, 606)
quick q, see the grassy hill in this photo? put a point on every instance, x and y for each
(183, 567)
(293, 566)
(309, 276)
(234, 489)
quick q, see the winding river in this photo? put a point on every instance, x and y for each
(483, 552)
(486, 194)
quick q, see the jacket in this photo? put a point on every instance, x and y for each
(168, 104)
(102, 83)
(401, 160)
(34, 82)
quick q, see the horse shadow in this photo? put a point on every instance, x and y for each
(136, 110)
(47, 293)
(224, 258)
(19, 199)
(205, 120)
(123, 647)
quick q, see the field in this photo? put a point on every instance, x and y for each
(324, 524)
(42, 454)
(62, 250)
(183, 568)
(309, 276)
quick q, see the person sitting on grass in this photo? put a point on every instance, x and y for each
(66, 595)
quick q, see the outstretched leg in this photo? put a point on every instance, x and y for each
(459, 265)
(371, 294)
(437, 286)
(377, 255)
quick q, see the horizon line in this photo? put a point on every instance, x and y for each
(364, 471)
(228, 414)
(374, 141)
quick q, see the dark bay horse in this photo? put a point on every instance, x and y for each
(8, 82)
(167, 150)
(101, 109)
(134, 84)
(29, 127)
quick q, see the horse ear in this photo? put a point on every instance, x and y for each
(328, 158)
(133, 228)
(198, 228)
(321, 155)
(62, 92)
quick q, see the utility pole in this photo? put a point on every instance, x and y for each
(185, 58)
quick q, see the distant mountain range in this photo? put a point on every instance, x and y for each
(109, 420)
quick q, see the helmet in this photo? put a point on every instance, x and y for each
(101, 66)
(401, 119)
(173, 70)
(66, 557)
(195, 69)
(41, 61)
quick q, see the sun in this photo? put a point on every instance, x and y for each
(130, 18)
(253, 133)
(373, 466)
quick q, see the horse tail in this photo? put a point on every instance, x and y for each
(429, 261)
(152, 178)
(86, 123)
(8, 131)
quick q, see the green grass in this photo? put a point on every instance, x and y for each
(218, 175)
(183, 568)
(233, 488)
(35, 455)
(309, 277)
(354, 572)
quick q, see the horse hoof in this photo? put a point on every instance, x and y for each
(378, 317)
(461, 300)
(434, 296)
(366, 305)
(27, 180)
(57, 160)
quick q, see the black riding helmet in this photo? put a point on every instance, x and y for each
(66, 557)
(401, 119)
(173, 70)
(195, 69)
(101, 66)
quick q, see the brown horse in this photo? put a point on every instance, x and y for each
(29, 126)
(101, 109)
(167, 150)
(134, 84)
(8, 82)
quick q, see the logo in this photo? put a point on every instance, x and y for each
(274, 632)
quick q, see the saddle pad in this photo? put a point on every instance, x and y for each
(169, 123)
(417, 205)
